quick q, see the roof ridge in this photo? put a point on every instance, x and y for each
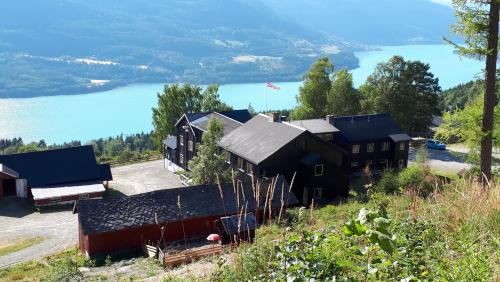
(227, 117)
(48, 150)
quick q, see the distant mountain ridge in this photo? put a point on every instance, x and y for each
(58, 47)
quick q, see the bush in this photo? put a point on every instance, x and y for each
(388, 183)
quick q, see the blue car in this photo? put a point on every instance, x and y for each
(435, 144)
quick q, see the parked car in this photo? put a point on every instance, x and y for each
(435, 144)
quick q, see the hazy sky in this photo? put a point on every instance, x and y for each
(445, 2)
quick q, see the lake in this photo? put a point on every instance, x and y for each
(127, 109)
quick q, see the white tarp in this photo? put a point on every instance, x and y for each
(40, 193)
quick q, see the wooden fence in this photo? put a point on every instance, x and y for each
(169, 260)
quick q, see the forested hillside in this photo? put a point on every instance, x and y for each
(73, 46)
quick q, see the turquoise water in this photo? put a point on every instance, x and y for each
(127, 110)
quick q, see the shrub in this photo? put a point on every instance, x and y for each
(388, 183)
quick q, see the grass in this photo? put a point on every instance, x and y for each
(9, 249)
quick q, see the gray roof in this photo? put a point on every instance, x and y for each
(111, 214)
(258, 139)
(229, 123)
(241, 222)
(400, 137)
(367, 127)
(170, 141)
(315, 126)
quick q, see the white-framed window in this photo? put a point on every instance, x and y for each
(181, 140)
(402, 146)
(326, 136)
(227, 155)
(190, 145)
(370, 147)
(384, 163)
(354, 164)
(369, 162)
(317, 193)
(241, 162)
(181, 158)
(385, 146)
(318, 170)
(355, 149)
(401, 164)
(249, 168)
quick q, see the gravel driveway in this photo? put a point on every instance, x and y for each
(143, 177)
(19, 221)
(444, 161)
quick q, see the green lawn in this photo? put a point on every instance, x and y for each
(20, 246)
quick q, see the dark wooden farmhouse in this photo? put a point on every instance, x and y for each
(183, 146)
(372, 141)
(266, 146)
(116, 225)
(53, 176)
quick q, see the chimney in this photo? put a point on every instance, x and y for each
(330, 119)
(274, 117)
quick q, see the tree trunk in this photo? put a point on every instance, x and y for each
(490, 93)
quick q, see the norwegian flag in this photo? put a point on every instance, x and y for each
(272, 86)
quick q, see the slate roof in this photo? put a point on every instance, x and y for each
(170, 141)
(258, 139)
(68, 165)
(237, 115)
(111, 214)
(400, 137)
(315, 126)
(241, 222)
(229, 123)
(367, 127)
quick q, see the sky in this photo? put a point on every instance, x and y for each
(444, 2)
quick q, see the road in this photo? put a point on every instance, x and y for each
(143, 177)
(19, 221)
(445, 161)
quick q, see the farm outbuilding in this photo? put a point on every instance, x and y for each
(53, 176)
(117, 225)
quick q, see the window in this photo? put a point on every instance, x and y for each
(181, 158)
(370, 147)
(181, 140)
(228, 156)
(190, 146)
(318, 170)
(386, 146)
(384, 163)
(369, 162)
(55, 200)
(355, 149)
(326, 136)
(354, 164)
(317, 193)
(240, 163)
(249, 168)
(83, 196)
(402, 146)
(401, 164)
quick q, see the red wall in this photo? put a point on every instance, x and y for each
(133, 238)
(1, 188)
(65, 199)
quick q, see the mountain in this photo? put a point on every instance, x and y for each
(381, 22)
(55, 47)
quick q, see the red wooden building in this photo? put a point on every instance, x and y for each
(117, 225)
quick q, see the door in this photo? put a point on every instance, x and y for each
(305, 195)
(9, 187)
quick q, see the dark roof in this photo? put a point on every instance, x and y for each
(367, 127)
(259, 138)
(241, 222)
(68, 165)
(400, 137)
(229, 123)
(110, 214)
(170, 141)
(237, 115)
(105, 170)
(315, 126)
